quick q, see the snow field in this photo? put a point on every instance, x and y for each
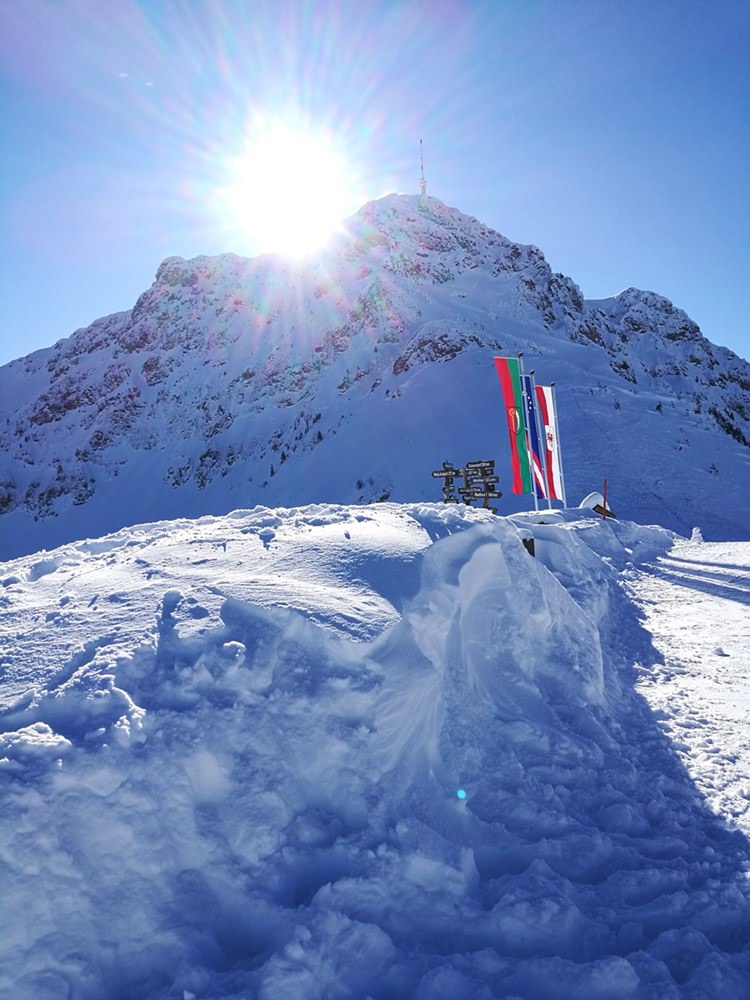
(231, 752)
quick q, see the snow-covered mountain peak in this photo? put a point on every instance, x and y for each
(348, 376)
(422, 239)
(639, 311)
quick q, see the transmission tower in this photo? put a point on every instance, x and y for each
(422, 181)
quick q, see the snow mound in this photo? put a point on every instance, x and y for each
(241, 785)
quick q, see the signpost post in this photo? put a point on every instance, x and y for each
(449, 474)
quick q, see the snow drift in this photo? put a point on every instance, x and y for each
(350, 752)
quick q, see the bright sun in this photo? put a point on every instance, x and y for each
(289, 189)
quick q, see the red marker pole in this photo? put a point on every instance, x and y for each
(604, 495)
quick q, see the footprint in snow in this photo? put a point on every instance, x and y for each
(266, 535)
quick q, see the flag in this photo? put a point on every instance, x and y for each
(509, 373)
(545, 401)
(534, 447)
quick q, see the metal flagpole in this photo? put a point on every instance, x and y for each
(528, 442)
(542, 439)
(559, 443)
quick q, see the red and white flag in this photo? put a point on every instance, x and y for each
(545, 399)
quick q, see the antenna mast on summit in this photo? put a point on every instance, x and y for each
(422, 181)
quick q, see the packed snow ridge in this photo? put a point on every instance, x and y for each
(370, 751)
(350, 376)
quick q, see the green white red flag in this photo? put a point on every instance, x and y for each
(509, 373)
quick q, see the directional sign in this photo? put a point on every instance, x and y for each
(478, 481)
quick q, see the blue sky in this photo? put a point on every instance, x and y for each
(613, 134)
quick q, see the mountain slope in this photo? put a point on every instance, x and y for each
(350, 376)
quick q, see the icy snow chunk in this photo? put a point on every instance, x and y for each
(36, 740)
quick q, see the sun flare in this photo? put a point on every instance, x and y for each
(289, 189)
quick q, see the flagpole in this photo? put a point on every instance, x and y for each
(559, 444)
(540, 438)
(528, 443)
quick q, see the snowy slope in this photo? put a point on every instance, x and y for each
(350, 376)
(695, 603)
(372, 751)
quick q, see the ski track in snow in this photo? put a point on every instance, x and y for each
(696, 602)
